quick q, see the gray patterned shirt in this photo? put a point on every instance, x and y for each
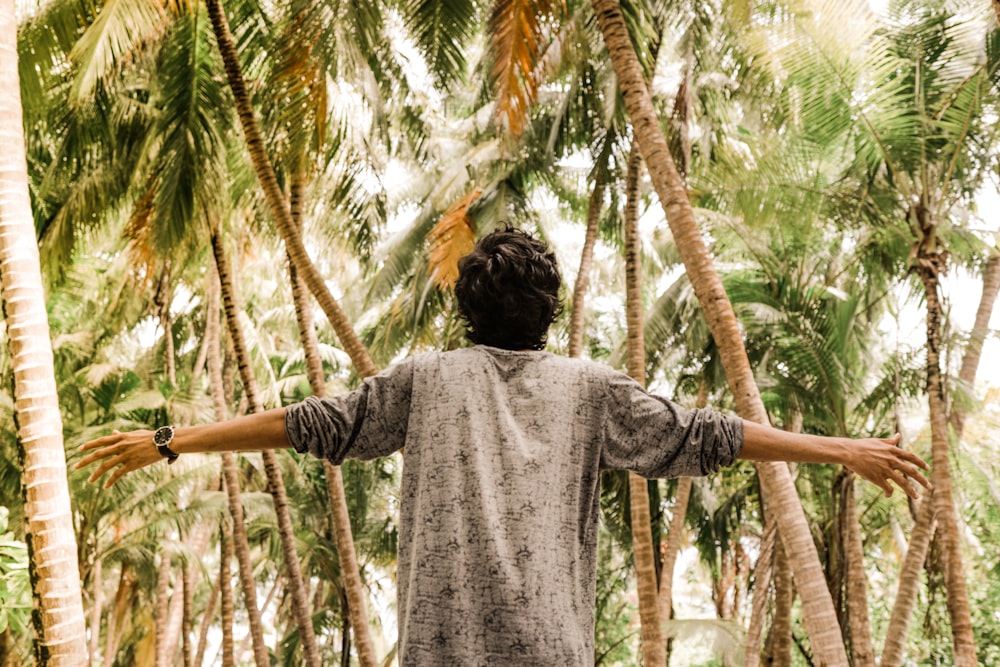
(500, 490)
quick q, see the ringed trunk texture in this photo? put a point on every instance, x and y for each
(349, 338)
(858, 621)
(819, 615)
(925, 526)
(654, 648)
(57, 618)
(350, 571)
(226, 594)
(761, 590)
(206, 623)
(275, 483)
(576, 318)
(963, 639)
(230, 474)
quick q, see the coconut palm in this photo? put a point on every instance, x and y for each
(60, 634)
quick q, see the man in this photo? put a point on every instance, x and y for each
(504, 445)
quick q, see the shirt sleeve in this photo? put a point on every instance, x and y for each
(366, 423)
(654, 437)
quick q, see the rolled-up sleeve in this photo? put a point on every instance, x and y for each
(654, 437)
(366, 423)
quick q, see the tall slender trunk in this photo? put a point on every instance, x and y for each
(226, 594)
(819, 615)
(349, 569)
(275, 483)
(231, 478)
(925, 526)
(197, 541)
(858, 622)
(963, 639)
(162, 299)
(576, 318)
(116, 621)
(762, 587)
(206, 623)
(97, 583)
(349, 338)
(161, 608)
(653, 644)
(779, 652)
(186, 614)
(57, 618)
(673, 547)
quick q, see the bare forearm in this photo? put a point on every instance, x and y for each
(766, 443)
(878, 460)
(264, 430)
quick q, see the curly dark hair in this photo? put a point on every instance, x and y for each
(508, 290)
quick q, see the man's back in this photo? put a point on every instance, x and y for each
(500, 490)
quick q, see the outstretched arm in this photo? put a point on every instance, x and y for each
(878, 460)
(133, 450)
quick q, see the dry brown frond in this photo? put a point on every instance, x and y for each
(451, 239)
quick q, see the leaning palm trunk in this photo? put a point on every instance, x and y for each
(779, 644)
(340, 517)
(275, 482)
(858, 621)
(60, 634)
(963, 641)
(819, 615)
(762, 586)
(349, 338)
(226, 594)
(161, 609)
(240, 543)
(923, 530)
(206, 623)
(653, 644)
(576, 318)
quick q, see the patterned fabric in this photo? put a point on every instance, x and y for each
(500, 490)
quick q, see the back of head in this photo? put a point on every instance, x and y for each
(508, 290)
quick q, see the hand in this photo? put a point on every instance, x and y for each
(880, 460)
(126, 451)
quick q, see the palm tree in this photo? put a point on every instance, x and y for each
(60, 628)
(820, 616)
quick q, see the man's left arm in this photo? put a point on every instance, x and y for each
(878, 460)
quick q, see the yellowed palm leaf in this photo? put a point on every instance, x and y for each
(516, 40)
(451, 239)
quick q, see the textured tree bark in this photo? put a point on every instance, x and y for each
(276, 485)
(762, 587)
(161, 608)
(925, 525)
(654, 649)
(576, 317)
(96, 610)
(963, 639)
(819, 615)
(230, 475)
(57, 618)
(857, 585)
(341, 518)
(226, 594)
(206, 623)
(780, 653)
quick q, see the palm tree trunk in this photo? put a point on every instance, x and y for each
(349, 339)
(97, 583)
(161, 609)
(230, 474)
(58, 621)
(673, 548)
(186, 614)
(206, 623)
(963, 639)
(116, 622)
(779, 652)
(762, 586)
(909, 582)
(583, 274)
(162, 300)
(275, 483)
(925, 526)
(858, 621)
(653, 644)
(819, 615)
(226, 595)
(341, 518)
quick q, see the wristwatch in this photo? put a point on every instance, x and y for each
(162, 439)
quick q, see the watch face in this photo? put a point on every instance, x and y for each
(163, 435)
